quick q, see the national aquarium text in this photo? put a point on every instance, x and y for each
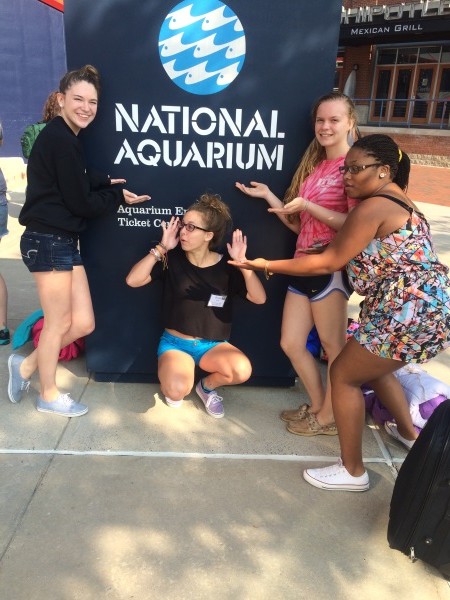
(181, 136)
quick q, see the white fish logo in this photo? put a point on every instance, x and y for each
(202, 46)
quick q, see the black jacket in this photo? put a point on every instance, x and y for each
(61, 194)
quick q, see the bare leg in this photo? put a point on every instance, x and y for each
(330, 318)
(176, 374)
(226, 364)
(391, 395)
(68, 315)
(296, 325)
(3, 303)
(3, 299)
(353, 367)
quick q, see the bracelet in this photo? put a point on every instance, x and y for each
(156, 254)
(267, 273)
(305, 205)
(160, 257)
(162, 246)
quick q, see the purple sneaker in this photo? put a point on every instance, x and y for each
(212, 402)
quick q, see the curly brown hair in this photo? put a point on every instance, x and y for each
(87, 73)
(51, 107)
(216, 215)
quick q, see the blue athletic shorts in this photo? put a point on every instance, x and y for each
(195, 348)
(48, 251)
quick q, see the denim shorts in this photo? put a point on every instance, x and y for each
(3, 220)
(49, 251)
(195, 348)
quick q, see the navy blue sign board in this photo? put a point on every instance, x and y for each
(196, 96)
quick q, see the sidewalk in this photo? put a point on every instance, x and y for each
(138, 500)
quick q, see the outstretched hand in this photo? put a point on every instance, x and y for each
(258, 264)
(238, 246)
(257, 190)
(293, 207)
(131, 198)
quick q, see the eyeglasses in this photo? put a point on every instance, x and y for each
(355, 169)
(190, 227)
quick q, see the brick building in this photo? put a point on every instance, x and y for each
(394, 61)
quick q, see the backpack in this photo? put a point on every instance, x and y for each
(69, 352)
(29, 137)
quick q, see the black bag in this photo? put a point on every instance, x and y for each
(419, 518)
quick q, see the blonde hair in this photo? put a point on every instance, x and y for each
(315, 153)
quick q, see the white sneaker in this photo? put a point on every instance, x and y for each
(173, 403)
(336, 477)
(392, 430)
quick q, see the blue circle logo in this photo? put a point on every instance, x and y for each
(202, 46)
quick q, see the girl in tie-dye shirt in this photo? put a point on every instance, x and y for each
(315, 207)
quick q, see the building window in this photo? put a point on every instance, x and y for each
(407, 56)
(387, 56)
(430, 55)
(339, 70)
(412, 85)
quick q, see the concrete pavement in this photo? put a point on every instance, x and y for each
(138, 500)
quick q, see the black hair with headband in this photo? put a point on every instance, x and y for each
(385, 151)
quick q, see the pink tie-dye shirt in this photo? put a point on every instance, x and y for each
(325, 186)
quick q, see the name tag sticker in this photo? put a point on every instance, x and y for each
(218, 301)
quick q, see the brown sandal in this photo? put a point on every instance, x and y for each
(310, 426)
(295, 414)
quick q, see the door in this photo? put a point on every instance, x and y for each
(380, 106)
(440, 112)
(392, 100)
(423, 93)
(401, 104)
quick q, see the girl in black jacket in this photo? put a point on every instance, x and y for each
(61, 195)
